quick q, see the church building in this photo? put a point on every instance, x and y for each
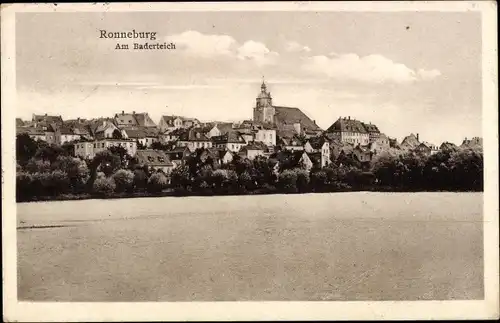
(287, 120)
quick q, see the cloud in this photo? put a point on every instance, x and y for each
(210, 46)
(428, 75)
(371, 69)
(293, 46)
(204, 45)
(257, 52)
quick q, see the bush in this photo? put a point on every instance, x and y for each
(302, 180)
(245, 181)
(24, 186)
(38, 166)
(124, 180)
(104, 185)
(157, 182)
(140, 179)
(287, 180)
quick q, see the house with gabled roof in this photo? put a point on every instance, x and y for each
(291, 159)
(131, 120)
(175, 122)
(144, 136)
(410, 142)
(349, 130)
(373, 131)
(319, 145)
(231, 141)
(448, 146)
(254, 149)
(426, 148)
(155, 159)
(45, 120)
(474, 143)
(194, 138)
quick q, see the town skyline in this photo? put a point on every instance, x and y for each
(410, 76)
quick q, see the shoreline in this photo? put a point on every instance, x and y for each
(118, 196)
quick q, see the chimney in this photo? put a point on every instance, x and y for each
(123, 112)
(417, 136)
(133, 112)
(349, 118)
(46, 114)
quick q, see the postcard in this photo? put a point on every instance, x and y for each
(250, 161)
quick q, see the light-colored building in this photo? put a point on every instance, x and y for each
(410, 142)
(253, 150)
(231, 141)
(427, 148)
(144, 136)
(350, 131)
(176, 122)
(193, 139)
(321, 146)
(155, 159)
(131, 120)
(88, 149)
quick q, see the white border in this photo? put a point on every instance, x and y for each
(182, 311)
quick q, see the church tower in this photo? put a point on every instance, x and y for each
(264, 110)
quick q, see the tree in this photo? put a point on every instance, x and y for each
(50, 153)
(124, 180)
(181, 177)
(26, 148)
(24, 186)
(302, 180)
(287, 180)
(319, 180)
(157, 182)
(76, 170)
(104, 186)
(140, 179)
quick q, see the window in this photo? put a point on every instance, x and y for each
(131, 145)
(150, 159)
(94, 145)
(161, 159)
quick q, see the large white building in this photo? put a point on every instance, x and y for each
(88, 149)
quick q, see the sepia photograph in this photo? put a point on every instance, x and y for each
(295, 160)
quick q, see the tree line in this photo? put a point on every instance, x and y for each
(52, 172)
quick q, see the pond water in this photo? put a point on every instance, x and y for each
(318, 247)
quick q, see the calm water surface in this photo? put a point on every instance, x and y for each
(343, 246)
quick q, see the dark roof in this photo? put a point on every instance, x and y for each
(287, 156)
(193, 134)
(30, 131)
(141, 133)
(229, 137)
(448, 146)
(371, 128)
(47, 118)
(152, 157)
(255, 145)
(141, 119)
(125, 119)
(474, 142)
(410, 141)
(317, 142)
(288, 115)
(19, 122)
(347, 125)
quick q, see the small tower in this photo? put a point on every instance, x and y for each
(264, 110)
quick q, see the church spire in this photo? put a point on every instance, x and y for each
(263, 86)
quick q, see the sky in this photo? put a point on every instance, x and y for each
(407, 72)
